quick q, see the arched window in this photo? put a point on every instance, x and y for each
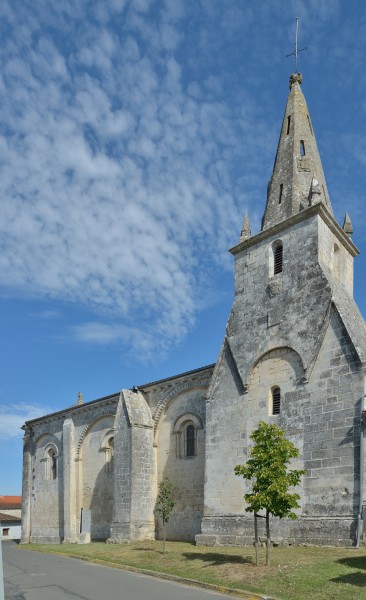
(190, 441)
(53, 464)
(302, 148)
(109, 456)
(186, 429)
(276, 401)
(277, 259)
(107, 446)
(50, 463)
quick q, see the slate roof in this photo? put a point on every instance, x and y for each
(9, 518)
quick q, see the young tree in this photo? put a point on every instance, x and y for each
(271, 480)
(165, 504)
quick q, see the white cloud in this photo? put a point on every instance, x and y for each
(111, 181)
(13, 417)
(127, 163)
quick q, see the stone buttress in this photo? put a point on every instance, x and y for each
(135, 470)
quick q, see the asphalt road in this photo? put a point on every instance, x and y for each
(34, 576)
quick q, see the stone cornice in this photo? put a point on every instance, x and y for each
(113, 398)
(79, 408)
(164, 383)
(316, 209)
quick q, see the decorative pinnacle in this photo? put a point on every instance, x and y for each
(80, 399)
(347, 225)
(295, 78)
(245, 230)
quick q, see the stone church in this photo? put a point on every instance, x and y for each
(294, 354)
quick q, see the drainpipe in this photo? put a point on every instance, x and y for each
(362, 429)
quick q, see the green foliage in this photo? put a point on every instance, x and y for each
(267, 468)
(165, 501)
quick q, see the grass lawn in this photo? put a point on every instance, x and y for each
(296, 573)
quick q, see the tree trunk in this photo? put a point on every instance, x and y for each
(164, 537)
(256, 539)
(268, 544)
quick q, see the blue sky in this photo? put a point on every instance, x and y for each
(134, 135)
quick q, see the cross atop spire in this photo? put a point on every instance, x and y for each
(296, 52)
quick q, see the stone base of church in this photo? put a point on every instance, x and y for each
(39, 539)
(126, 532)
(312, 531)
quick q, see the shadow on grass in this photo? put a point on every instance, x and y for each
(358, 579)
(355, 562)
(215, 558)
(147, 549)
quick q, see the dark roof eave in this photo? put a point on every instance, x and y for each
(67, 410)
(116, 395)
(4, 518)
(160, 381)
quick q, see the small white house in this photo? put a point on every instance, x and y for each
(10, 527)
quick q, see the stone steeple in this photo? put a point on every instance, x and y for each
(297, 180)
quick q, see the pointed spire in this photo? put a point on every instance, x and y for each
(297, 180)
(245, 233)
(347, 225)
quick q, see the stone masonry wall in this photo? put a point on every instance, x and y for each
(186, 473)
(51, 507)
(337, 264)
(97, 479)
(322, 418)
(282, 331)
(283, 310)
(47, 494)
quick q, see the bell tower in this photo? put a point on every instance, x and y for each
(294, 352)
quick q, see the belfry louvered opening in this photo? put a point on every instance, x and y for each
(276, 401)
(277, 257)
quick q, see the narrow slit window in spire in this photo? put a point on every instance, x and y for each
(302, 148)
(280, 196)
(288, 124)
